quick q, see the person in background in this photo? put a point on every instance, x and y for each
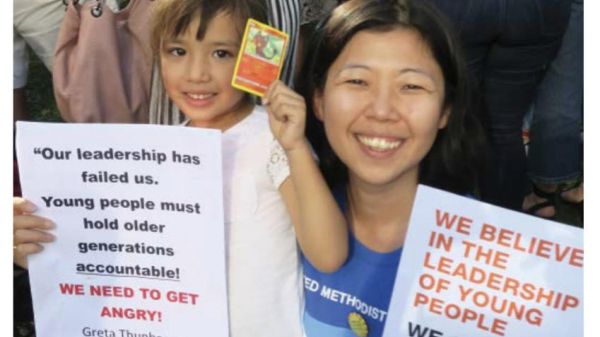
(508, 45)
(35, 24)
(555, 155)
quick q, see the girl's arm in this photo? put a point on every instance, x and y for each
(320, 226)
(28, 231)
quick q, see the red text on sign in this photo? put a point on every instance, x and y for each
(460, 224)
(465, 315)
(182, 297)
(131, 313)
(111, 291)
(535, 246)
(71, 289)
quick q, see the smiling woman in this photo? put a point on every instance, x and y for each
(382, 111)
(386, 84)
(440, 167)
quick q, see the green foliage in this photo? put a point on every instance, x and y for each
(40, 103)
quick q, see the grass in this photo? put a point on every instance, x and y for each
(41, 106)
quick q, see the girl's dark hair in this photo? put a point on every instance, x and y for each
(172, 17)
(454, 162)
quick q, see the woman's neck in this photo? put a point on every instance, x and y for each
(379, 215)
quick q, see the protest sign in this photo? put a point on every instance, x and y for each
(470, 269)
(139, 247)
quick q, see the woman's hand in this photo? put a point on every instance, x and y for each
(29, 231)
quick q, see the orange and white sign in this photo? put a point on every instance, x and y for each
(260, 58)
(470, 269)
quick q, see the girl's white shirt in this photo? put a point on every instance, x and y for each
(263, 261)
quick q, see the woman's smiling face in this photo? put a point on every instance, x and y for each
(383, 104)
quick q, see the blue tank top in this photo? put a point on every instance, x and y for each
(353, 300)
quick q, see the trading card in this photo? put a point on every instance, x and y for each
(260, 58)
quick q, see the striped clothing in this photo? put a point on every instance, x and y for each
(286, 16)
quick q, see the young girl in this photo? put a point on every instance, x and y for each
(387, 83)
(197, 43)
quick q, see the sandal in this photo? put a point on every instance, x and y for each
(576, 204)
(549, 202)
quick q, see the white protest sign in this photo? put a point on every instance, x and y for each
(470, 269)
(139, 247)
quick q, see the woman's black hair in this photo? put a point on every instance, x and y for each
(455, 160)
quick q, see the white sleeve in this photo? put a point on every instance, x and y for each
(278, 166)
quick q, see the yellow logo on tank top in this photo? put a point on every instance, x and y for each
(358, 324)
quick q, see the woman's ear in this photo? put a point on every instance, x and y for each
(444, 117)
(318, 104)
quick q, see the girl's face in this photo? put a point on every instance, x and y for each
(197, 74)
(382, 105)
